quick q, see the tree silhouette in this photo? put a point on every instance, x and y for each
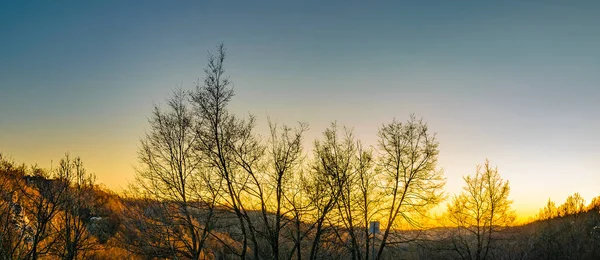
(480, 212)
(227, 144)
(171, 174)
(42, 197)
(74, 240)
(332, 173)
(284, 154)
(548, 212)
(412, 184)
(13, 228)
(574, 204)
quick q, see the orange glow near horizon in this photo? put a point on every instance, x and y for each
(116, 173)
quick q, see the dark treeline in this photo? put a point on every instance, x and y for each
(208, 187)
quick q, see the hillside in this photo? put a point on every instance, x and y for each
(31, 209)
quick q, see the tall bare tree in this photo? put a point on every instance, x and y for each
(284, 159)
(331, 173)
(357, 202)
(171, 173)
(228, 146)
(408, 166)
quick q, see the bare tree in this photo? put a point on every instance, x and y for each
(408, 165)
(227, 144)
(73, 240)
(42, 197)
(299, 205)
(172, 175)
(357, 202)
(480, 212)
(13, 228)
(332, 169)
(284, 159)
(368, 193)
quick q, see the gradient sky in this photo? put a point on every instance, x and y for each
(517, 82)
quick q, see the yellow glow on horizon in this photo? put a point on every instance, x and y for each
(113, 161)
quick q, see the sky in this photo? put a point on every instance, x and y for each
(517, 82)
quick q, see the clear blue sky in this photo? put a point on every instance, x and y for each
(517, 82)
